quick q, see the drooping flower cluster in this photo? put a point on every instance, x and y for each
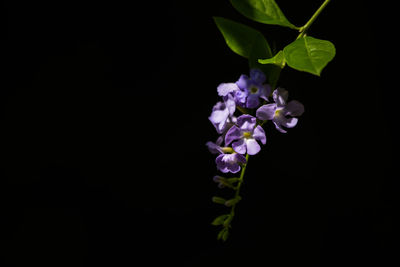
(243, 134)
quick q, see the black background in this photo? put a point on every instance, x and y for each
(104, 111)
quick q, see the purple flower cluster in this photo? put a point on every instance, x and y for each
(242, 135)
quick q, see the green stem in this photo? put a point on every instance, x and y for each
(238, 186)
(304, 29)
(243, 110)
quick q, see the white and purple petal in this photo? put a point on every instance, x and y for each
(230, 104)
(221, 163)
(289, 122)
(219, 113)
(239, 146)
(246, 122)
(228, 163)
(252, 146)
(226, 88)
(240, 97)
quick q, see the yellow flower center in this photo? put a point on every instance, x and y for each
(277, 112)
(227, 149)
(253, 90)
(247, 135)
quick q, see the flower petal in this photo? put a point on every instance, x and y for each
(257, 76)
(294, 108)
(277, 121)
(240, 158)
(233, 134)
(280, 96)
(243, 81)
(266, 112)
(259, 134)
(252, 101)
(265, 92)
(230, 104)
(248, 119)
(239, 146)
(213, 147)
(290, 122)
(219, 116)
(221, 164)
(233, 167)
(240, 97)
(252, 146)
(225, 88)
(219, 140)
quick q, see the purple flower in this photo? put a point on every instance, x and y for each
(225, 162)
(246, 133)
(222, 114)
(280, 113)
(252, 89)
(230, 162)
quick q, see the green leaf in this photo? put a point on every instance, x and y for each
(264, 11)
(309, 54)
(220, 219)
(241, 39)
(219, 200)
(278, 60)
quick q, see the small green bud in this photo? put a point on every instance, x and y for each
(225, 235)
(220, 219)
(232, 180)
(233, 201)
(227, 222)
(219, 200)
(221, 233)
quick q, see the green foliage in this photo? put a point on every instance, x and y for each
(309, 54)
(264, 11)
(246, 42)
(243, 40)
(304, 54)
